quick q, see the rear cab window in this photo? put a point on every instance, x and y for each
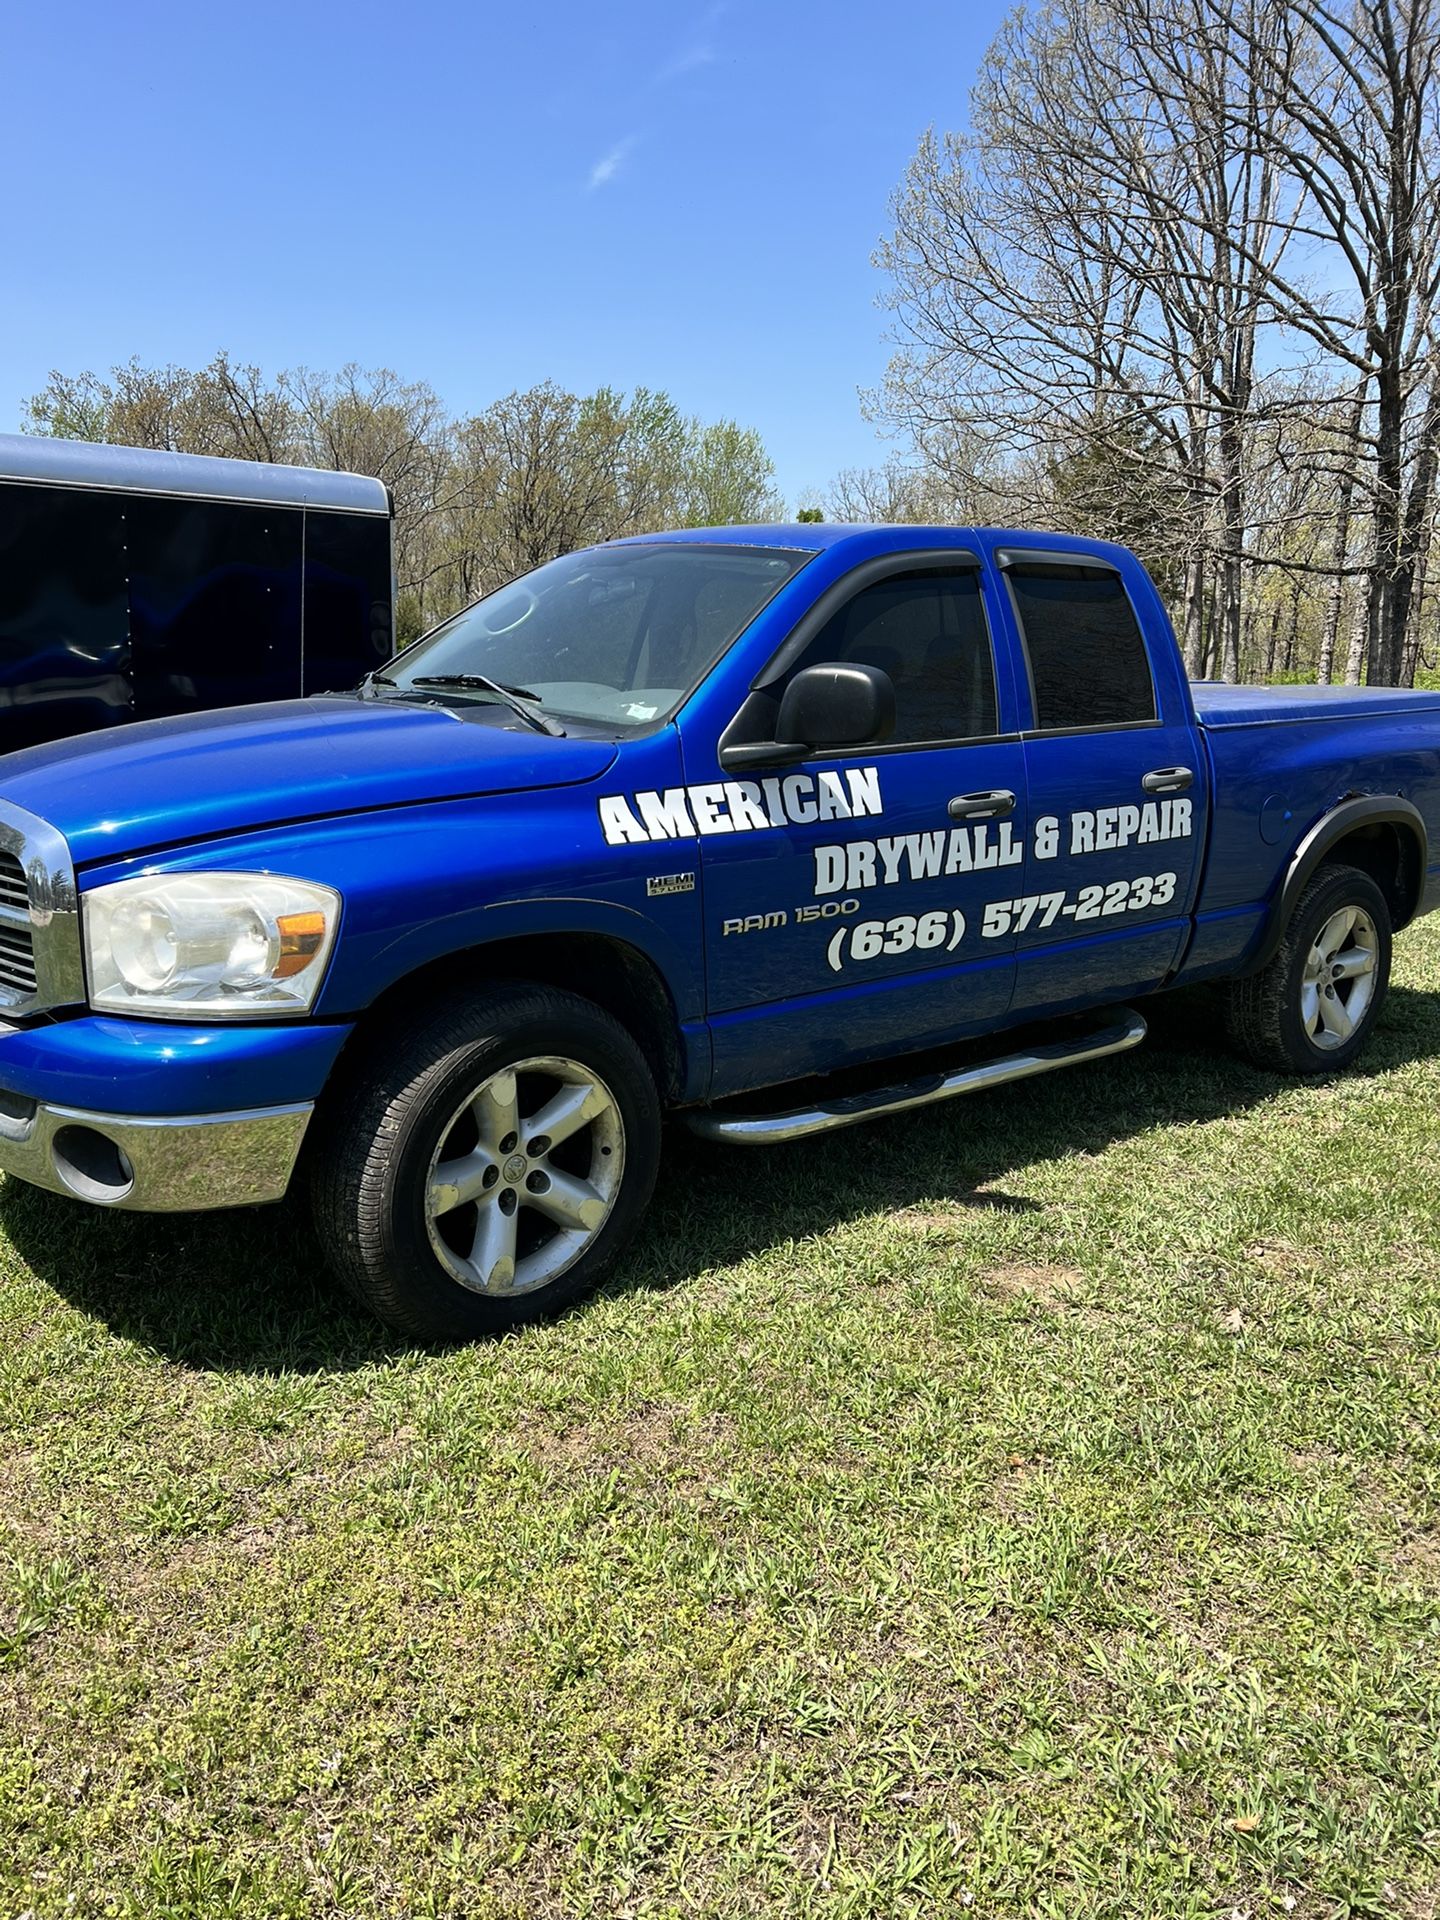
(1088, 663)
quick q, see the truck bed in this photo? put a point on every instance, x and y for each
(1218, 706)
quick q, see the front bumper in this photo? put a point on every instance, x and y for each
(175, 1164)
(160, 1116)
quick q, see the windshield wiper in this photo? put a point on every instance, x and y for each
(520, 700)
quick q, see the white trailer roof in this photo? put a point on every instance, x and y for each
(96, 466)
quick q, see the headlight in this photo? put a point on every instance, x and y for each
(213, 946)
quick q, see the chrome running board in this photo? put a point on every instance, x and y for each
(847, 1110)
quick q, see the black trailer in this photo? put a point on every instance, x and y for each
(135, 583)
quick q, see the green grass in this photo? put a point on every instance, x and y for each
(1028, 1507)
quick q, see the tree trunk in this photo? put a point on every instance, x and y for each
(1335, 590)
(1385, 638)
(1195, 648)
(1409, 584)
(1272, 644)
(1360, 630)
(1414, 619)
(1292, 629)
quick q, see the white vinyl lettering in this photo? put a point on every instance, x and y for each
(743, 797)
(913, 856)
(707, 802)
(1110, 827)
(864, 785)
(890, 852)
(829, 869)
(799, 806)
(831, 797)
(926, 851)
(618, 822)
(665, 814)
(740, 806)
(774, 802)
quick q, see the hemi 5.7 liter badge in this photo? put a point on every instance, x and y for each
(659, 883)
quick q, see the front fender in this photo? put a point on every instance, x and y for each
(425, 883)
(556, 916)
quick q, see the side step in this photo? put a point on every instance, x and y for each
(776, 1129)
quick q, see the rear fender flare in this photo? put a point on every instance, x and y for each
(1320, 841)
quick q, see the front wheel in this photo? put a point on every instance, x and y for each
(497, 1158)
(1312, 1008)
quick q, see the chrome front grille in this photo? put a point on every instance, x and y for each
(40, 965)
(13, 889)
(17, 961)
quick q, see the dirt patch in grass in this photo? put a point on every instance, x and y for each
(946, 1221)
(1418, 1558)
(1046, 1286)
(648, 1440)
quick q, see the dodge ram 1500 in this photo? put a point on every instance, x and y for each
(674, 823)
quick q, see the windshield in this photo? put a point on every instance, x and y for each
(616, 635)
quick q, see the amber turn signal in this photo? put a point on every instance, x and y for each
(301, 935)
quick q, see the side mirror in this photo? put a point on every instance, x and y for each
(837, 706)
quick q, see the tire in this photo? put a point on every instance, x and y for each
(1294, 1016)
(426, 1249)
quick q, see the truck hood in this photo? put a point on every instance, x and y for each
(164, 782)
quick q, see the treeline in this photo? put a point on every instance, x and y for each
(1177, 284)
(478, 499)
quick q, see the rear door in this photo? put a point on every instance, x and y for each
(214, 603)
(844, 893)
(1116, 781)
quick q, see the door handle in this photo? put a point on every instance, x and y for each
(1168, 780)
(993, 805)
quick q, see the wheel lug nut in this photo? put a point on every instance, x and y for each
(539, 1145)
(537, 1182)
(489, 1177)
(509, 1143)
(508, 1201)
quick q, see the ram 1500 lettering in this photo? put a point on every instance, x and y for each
(672, 823)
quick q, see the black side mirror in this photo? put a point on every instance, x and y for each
(837, 706)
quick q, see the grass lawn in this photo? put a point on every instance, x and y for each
(1028, 1507)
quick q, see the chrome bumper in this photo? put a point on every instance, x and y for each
(181, 1165)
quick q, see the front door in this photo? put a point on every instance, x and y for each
(844, 908)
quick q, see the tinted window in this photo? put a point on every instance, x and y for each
(1088, 665)
(927, 631)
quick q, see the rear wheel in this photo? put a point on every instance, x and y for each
(1312, 1008)
(497, 1158)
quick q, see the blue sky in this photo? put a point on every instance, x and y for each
(479, 196)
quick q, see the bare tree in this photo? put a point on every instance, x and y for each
(1080, 275)
(1187, 240)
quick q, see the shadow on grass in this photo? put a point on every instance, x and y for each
(249, 1291)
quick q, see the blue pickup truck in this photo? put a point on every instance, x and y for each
(714, 821)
